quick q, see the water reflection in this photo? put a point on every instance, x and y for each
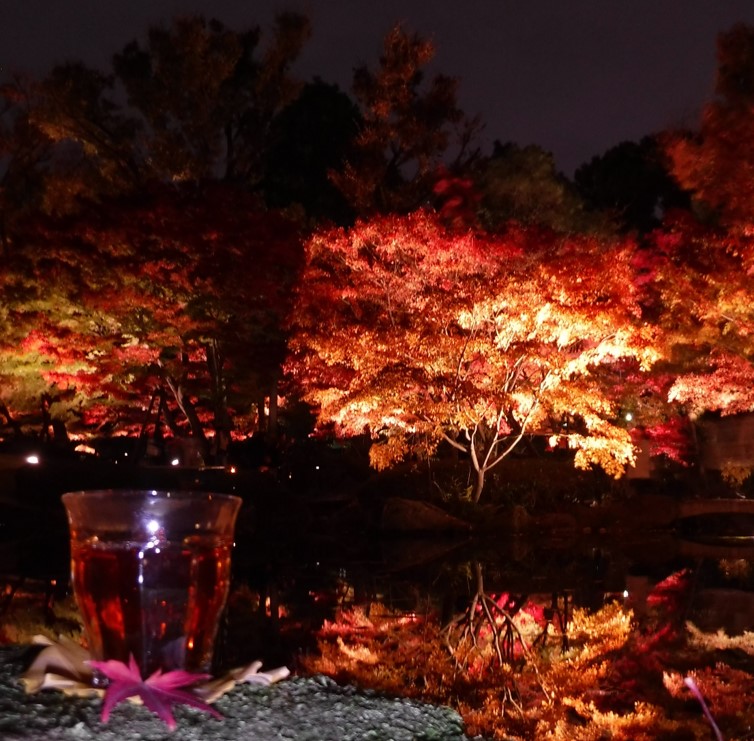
(279, 604)
(541, 637)
(536, 640)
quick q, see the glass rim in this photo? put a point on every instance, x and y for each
(147, 494)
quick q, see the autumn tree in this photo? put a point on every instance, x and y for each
(151, 295)
(48, 343)
(196, 102)
(207, 96)
(416, 336)
(703, 264)
(24, 159)
(715, 162)
(138, 286)
(704, 277)
(94, 153)
(409, 125)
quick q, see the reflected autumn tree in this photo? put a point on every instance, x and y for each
(500, 629)
(619, 676)
(417, 336)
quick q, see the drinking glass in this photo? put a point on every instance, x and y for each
(151, 573)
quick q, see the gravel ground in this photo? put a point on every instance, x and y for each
(299, 709)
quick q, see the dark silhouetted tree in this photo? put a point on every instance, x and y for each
(307, 140)
(209, 95)
(523, 185)
(631, 183)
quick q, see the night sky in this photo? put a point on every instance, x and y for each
(574, 76)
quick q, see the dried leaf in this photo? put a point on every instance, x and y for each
(61, 665)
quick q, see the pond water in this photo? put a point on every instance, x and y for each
(294, 589)
(284, 588)
(490, 601)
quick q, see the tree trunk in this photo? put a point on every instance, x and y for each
(185, 405)
(222, 421)
(44, 404)
(141, 444)
(12, 423)
(272, 422)
(261, 415)
(165, 412)
(478, 485)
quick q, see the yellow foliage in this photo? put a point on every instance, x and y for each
(28, 618)
(547, 694)
(385, 453)
(406, 329)
(587, 723)
(720, 641)
(359, 653)
(735, 475)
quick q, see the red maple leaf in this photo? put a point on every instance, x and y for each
(159, 692)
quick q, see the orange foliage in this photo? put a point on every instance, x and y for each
(715, 163)
(415, 335)
(705, 280)
(619, 677)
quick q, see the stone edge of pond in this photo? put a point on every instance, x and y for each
(299, 709)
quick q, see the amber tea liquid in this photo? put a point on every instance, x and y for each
(160, 602)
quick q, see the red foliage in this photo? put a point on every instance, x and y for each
(458, 199)
(131, 296)
(159, 692)
(418, 334)
(639, 669)
(671, 438)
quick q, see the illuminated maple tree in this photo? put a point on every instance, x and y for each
(416, 336)
(153, 295)
(705, 279)
(39, 353)
(705, 267)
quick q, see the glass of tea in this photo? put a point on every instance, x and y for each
(151, 573)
